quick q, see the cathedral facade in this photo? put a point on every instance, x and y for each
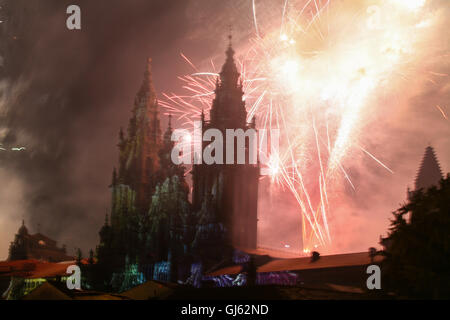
(152, 220)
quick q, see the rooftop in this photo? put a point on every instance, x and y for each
(304, 263)
(32, 269)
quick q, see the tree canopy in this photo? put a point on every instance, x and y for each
(417, 258)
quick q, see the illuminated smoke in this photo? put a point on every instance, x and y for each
(315, 72)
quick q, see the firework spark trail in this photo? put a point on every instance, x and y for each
(313, 63)
(254, 18)
(290, 182)
(291, 185)
(313, 223)
(324, 204)
(188, 61)
(442, 112)
(347, 176)
(306, 215)
(378, 161)
(322, 182)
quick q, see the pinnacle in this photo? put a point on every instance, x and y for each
(429, 173)
(147, 85)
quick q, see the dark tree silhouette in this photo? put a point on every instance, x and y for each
(417, 259)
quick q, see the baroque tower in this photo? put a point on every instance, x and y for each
(149, 207)
(229, 190)
(139, 152)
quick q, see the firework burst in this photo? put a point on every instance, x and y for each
(313, 72)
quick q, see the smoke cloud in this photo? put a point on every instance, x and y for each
(65, 94)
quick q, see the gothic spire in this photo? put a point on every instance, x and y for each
(429, 172)
(228, 105)
(229, 74)
(147, 90)
(139, 160)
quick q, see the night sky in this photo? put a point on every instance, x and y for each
(65, 94)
